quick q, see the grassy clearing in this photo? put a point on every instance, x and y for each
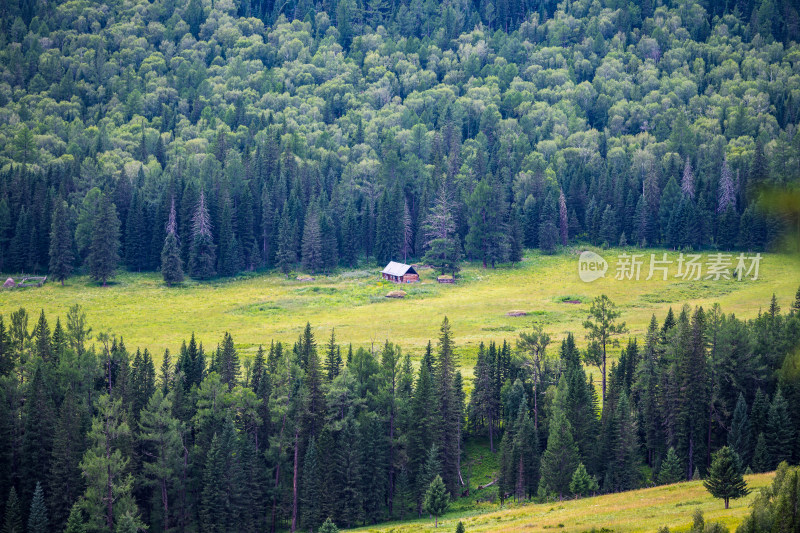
(641, 510)
(261, 307)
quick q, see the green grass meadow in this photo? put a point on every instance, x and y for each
(640, 510)
(258, 308)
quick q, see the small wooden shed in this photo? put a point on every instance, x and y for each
(400, 273)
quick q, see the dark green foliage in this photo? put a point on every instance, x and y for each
(724, 477)
(62, 258)
(560, 458)
(12, 522)
(671, 469)
(776, 508)
(37, 517)
(104, 248)
(328, 527)
(171, 262)
(227, 362)
(582, 483)
(780, 431)
(762, 461)
(437, 499)
(740, 436)
(202, 255)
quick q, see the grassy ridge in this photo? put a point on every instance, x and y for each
(263, 307)
(641, 510)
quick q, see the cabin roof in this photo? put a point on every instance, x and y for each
(398, 269)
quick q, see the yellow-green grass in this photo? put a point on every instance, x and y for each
(641, 510)
(262, 307)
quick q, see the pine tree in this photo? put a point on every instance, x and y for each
(780, 431)
(460, 527)
(286, 256)
(740, 436)
(109, 484)
(13, 516)
(61, 257)
(333, 358)
(311, 487)
(582, 483)
(560, 458)
(761, 457)
(725, 479)
(437, 499)
(447, 404)
(65, 484)
(328, 527)
(37, 518)
(161, 431)
(171, 263)
(104, 248)
(202, 257)
(75, 523)
(228, 362)
(312, 243)
(671, 470)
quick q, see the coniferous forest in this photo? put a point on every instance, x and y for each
(205, 138)
(209, 138)
(94, 437)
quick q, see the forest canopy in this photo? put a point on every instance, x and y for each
(324, 134)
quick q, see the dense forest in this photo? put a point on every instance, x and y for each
(94, 437)
(211, 137)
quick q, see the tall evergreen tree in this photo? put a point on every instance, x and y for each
(560, 458)
(37, 518)
(12, 522)
(725, 478)
(61, 257)
(228, 362)
(104, 248)
(109, 483)
(202, 255)
(171, 263)
(740, 436)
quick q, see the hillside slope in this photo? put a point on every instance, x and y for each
(640, 510)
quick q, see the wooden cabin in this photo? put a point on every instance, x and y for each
(400, 273)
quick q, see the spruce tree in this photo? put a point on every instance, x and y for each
(761, 457)
(447, 404)
(437, 499)
(671, 470)
(582, 483)
(460, 527)
(740, 436)
(780, 431)
(725, 479)
(12, 522)
(560, 458)
(311, 487)
(202, 255)
(286, 255)
(61, 257)
(104, 248)
(328, 527)
(171, 263)
(228, 362)
(312, 243)
(162, 433)
(37, 518)
(75, 523)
